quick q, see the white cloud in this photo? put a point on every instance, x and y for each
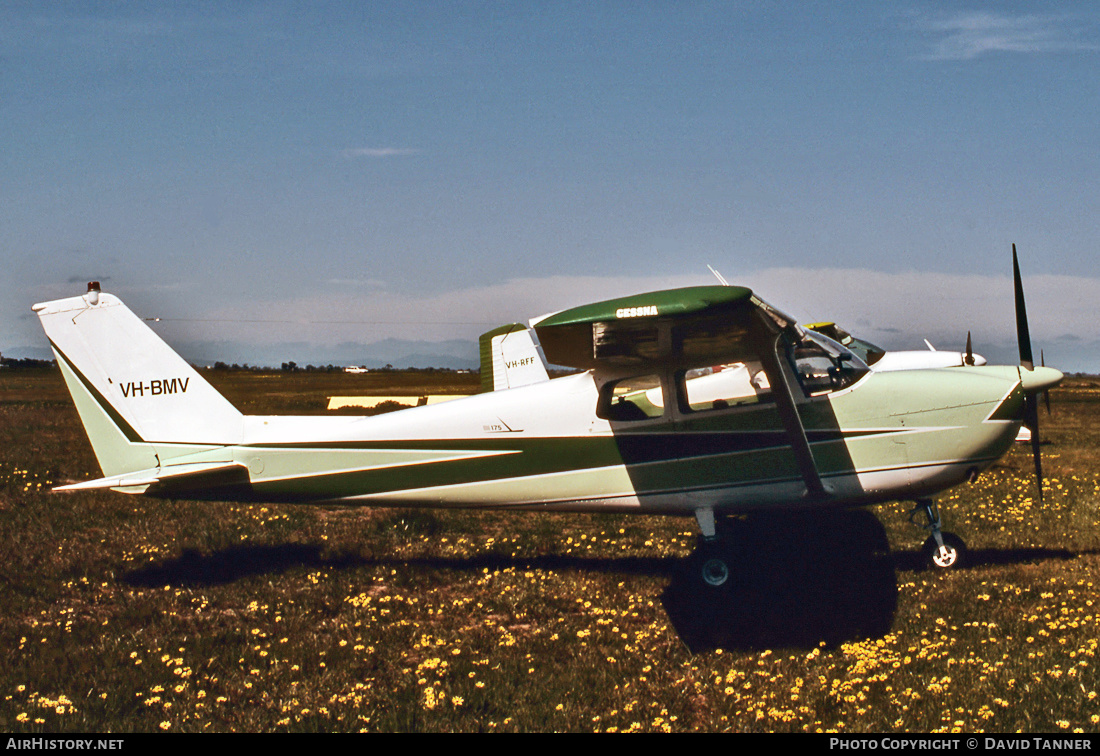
(894, 307)
(965, 36)
(379, 152)
(340, 315)
(938, 306)
(360, 283)
(895, 310)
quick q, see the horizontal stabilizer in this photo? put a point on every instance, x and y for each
(173, 480)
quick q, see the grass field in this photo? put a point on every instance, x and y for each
(124, 614)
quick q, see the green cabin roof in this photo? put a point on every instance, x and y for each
(692, 300)
(671, 326)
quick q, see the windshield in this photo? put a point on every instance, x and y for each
(823, 365)
(865, 350)
(868, 352)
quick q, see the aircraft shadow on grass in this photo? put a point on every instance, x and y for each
(797, 579)
(914, 560)
(235, 563)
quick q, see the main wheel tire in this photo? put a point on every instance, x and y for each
(714, 572)
(954, 555)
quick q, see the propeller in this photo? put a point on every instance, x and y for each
(1046, 394)
(1027, 361)
(969, 358)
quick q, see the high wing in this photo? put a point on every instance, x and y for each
(660, 327)
(682, 328)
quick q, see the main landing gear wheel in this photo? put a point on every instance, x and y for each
(949, 557)
(714, 571)
(711, 561)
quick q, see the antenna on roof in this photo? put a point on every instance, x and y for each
(718, 275)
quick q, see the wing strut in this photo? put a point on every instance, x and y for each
(788, 413)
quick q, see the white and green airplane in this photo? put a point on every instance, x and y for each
(646, 427)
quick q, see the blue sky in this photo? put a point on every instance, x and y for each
(273, 173)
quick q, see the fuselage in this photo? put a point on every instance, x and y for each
(888, 436)
(724, 406)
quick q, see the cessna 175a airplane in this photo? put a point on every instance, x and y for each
(644, 428)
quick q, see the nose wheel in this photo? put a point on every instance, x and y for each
(945, 556)
(942, 551)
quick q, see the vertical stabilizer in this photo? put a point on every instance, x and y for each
(510, 357)
(134, 394)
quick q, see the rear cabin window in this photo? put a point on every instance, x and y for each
(630, 399)
(723, 386)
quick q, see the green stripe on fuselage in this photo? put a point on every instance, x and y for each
(652, 459)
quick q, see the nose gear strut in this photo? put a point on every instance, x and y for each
(942, 550)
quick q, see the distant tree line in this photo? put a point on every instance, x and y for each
(287, 367)
(219, 365)
(293, 367)
(26, 363)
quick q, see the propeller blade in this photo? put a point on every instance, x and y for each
(969, 359)
(1027, 361)
(1023, 336)
(1046, 394)
(1031, 409)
